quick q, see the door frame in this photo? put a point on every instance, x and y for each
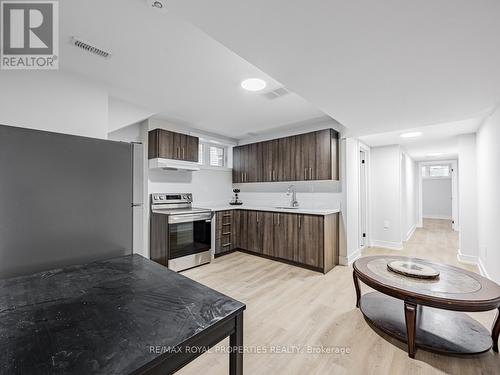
(454, 191)
(363, 196)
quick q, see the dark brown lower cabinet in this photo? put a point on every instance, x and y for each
(224, 232)
(285, 236)
(266, 232)
(254, 243)
(310, 241)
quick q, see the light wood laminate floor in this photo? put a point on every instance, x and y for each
(289, 306)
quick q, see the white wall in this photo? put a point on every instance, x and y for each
(436, 197)
(467, 201)
(122, 114)
(53, 101)
(488, 185)
(409, 198)
(385, 185)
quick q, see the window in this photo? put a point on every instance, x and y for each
(212, 155)
(201, 159)
(439, 171)
(217, 156)
(436, 171)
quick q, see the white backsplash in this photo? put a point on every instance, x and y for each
(310, 194)
(306, 200)
(207, 186)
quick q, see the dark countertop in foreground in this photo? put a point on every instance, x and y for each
(102, 317)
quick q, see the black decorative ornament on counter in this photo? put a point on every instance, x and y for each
(236, 200)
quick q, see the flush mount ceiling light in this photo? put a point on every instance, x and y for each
(254, 84)
(411, 135)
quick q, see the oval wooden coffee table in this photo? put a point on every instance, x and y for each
(428, 314)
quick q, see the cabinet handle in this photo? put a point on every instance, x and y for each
(227, 244)
(305, 173)
(257, 217)
(183, 153)
(225, 234)
(227, 224)
(270, 175)
(310, 173)
(246, 177)
(278, 219)
(300, 221)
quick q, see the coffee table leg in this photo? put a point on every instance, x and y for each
(356, 285)
(496, 331)
(411, 327)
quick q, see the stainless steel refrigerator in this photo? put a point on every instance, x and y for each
(66, 200)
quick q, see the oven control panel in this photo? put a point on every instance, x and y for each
(165, 198)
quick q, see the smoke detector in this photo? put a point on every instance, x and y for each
(158, 4)
(90, 48)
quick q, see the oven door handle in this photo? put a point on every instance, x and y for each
(175, 219)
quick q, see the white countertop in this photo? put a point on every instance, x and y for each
(300, 210)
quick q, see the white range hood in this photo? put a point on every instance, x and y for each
(170, 164)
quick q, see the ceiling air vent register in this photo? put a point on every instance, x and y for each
(90, 48)
(275, 94)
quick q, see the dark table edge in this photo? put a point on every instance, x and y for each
(169, 363)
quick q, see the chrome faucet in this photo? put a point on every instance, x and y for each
(291, 190)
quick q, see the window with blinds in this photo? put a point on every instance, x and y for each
(212, 155)
(217, 156)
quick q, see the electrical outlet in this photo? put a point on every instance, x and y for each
(386, 224)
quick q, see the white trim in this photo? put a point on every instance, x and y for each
(467, 259)
(410, 232)
(347, 261)
(387, 245)
(482, 269)
(438, 217)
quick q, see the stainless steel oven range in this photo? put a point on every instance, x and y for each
(180, 235)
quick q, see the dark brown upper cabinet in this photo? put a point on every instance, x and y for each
(166, 144)
(304, 157)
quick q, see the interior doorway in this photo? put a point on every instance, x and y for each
(439, 191)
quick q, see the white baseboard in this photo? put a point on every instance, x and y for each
(482, 269)
(410, 232)
(387, 245)
(348, 260)
(467, 259)
(439, 217)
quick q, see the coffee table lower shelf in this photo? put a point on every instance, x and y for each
(440, 331)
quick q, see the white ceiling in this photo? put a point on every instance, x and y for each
(442, 138)
(374, 66)
(167, 66)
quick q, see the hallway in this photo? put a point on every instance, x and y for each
(436, 241)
